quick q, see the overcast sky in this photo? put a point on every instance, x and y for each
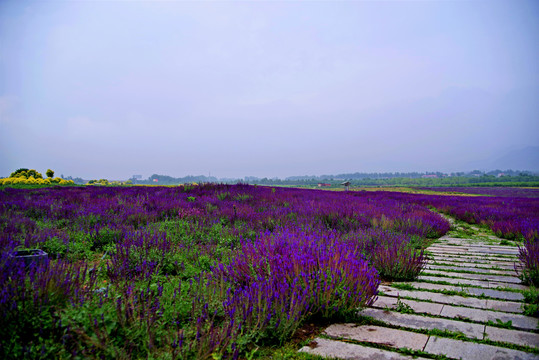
(109, 89)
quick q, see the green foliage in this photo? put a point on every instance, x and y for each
(403, 308)
(531, 299)
(499, 323)
(49, 173)
(403, 286)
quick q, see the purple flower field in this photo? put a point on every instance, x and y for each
(197, 272)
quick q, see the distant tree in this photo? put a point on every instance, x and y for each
(50, 173)
(17, 172)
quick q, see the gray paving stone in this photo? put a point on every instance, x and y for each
(480, 283)
(512, 336)
(496, 284)
(518, 321)
(478, 261)
(487, 277)
(437, 297)
(484, 249)
(481, 258)
(474, 331)
(342, 350)
(498, 294)
(378, 335)
(507, 306)
(419, 307)
(472, 351)
(477, 250)
(485, 265)
(468, 254)
(472, 269)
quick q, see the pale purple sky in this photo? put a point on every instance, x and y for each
(108, 89)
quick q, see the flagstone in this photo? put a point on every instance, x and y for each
(424, 322)
(518, 321)
(437, 297)
(465, 350)
(487, 246)
(482, 258)
(487, 277)
(379, 335)
(476, 250)
(484, 265)
(507, 306)
(496, 284)
(420, 307)
(480, 283)
(498, 294)
(343, 350)
(468, 253)
(458, 268)
(512, 336)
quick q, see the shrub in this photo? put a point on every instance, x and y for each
(529, 256)
(396, 259)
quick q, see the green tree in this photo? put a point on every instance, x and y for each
(19, 171)
(50, 173)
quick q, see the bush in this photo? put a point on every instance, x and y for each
(396, 258)
(529, 256)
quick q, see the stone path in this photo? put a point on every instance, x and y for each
(465, 305)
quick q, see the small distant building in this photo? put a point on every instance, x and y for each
(346, 185)
(323, 185)
(155, 180)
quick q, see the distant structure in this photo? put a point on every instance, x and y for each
(323, 184)
(346, 185)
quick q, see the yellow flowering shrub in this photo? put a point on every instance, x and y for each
(32, 177)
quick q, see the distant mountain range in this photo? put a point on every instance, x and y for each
(526, 158)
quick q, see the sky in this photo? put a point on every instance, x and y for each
(109, 89)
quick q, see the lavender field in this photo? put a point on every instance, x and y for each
(212, 271)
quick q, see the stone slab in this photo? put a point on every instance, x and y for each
(485, 265)
(496, 284)
(458, 268)
(512, 336)
(473, 331)
(482, 246)
(342, 350)
(507, 306)
(481, 261)
(482, 258)
(436, 297)
(474, 250)
(465, 254)
(480, 283)
(419, 307)
(378, 335)
(518, 321)
(487, 277)
(472, 351)
(498, 294)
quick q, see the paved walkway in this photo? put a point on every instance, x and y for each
(465, 305)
